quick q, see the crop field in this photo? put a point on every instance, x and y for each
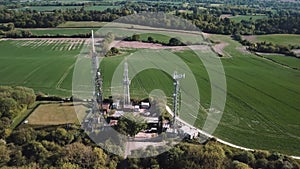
(52, 8)
(82, 24)
(55, 114)
(282, 39)
(49, 8)
(239, 18)
(125, 30)
(161, 38)
(263, 98)
(60, 31)
(288, 61)
(40, 64)
(100, 8)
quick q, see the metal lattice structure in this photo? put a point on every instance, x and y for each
(97, 74)
(126, 83)
(176, 78)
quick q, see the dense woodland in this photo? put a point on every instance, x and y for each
(13, 102)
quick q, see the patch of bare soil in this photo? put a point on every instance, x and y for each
(251, 38)
(205, 35)
(243, 49)
(297, 52)
(219, 48)
(225, 16)
(143, 45)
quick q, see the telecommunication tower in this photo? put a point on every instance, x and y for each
(97, 74)
(126, 83)
(176, 78)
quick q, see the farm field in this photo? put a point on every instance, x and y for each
(239, 18)
(280, 39)
(82, 24)
(40, 64)
(100, 8)
(49, 8)
(262, 107)
(125, 30)
(291, 62)
(56, 113)
(161, 38)
(60, 31)
(52, 8)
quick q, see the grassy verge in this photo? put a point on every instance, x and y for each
(23, 115)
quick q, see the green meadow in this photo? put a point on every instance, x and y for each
(41, 64)
(239, 18)
(280, 39)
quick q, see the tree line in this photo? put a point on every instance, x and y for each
(266, 47)
(208, 20)
(13, 102)
(67, 146)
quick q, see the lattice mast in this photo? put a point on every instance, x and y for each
(176, 78)
(96, 74)
(126, 83)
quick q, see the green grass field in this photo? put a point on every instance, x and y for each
(49, 8)
(82, 24)
(239, 18)
(39, 64)
(61, 31)
(263, 98)
(280, 39)
(100, 8)
(161, 38)
(291, 62)
(52, 8)
(56, 114)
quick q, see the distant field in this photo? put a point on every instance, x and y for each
(239, 18)
(100, 8)
(49, 8)
(292, 62)
(52, 8)
(215, 5)
(82, 24)
(280, 39)
(61, 31)
(124, 30)
(182, 11)
(55, 114)
(40, 64)
(161, 38)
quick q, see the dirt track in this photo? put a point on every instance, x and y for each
(142, 45)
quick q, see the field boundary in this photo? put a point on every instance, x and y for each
(19, 119)
(63, 77)
(276, 62)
